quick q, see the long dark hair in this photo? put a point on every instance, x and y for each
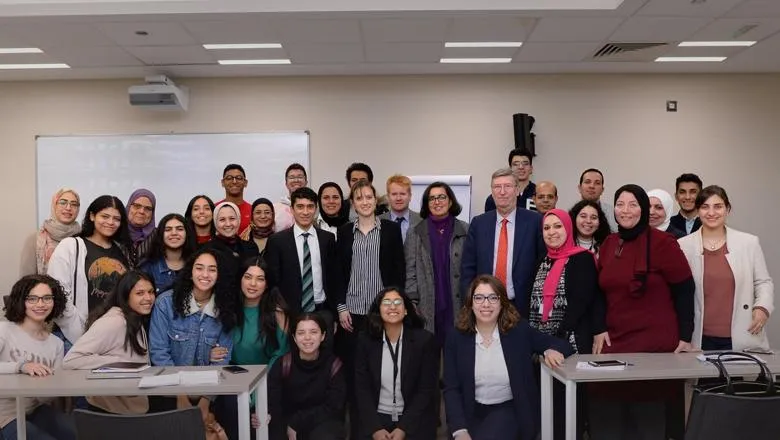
(188, 213)
(157, 250)
(223, 290)
(270, 302)
(601, 233)
(122, 234)
(119, 297)
(374, 324)
(455, 208)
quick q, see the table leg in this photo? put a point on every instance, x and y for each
(571, 410)
(261, 407)
(547, 403)
(243, 416)
(21, 419)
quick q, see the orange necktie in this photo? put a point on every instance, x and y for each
(503, 249)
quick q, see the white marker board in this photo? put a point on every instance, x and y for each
(460, 184)
(175, 167)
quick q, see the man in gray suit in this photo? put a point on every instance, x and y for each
(399, 194)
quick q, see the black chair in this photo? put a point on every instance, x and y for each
(180, 424)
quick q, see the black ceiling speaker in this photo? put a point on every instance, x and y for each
(524, 139)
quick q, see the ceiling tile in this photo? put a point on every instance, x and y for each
(404, 52)
(727, 29)
(490, 28)
(399, 30)
(756, 9)
(306, 53)
(97, 56)
(556, 52)
(658, 29)
(574, 29)
(45, 35)
(166, 55)
(762, 57)
(159, 34)
(235, 31)
(319, 31)
(687, 8)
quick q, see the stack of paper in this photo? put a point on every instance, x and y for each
(582, 365)
(208, 377)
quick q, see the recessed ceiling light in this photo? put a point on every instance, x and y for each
(20, 50)
(242, 46)
(716, 43)
(474, 60)
(34, 66)
(484, 44)
(251, 62)
(690, 59)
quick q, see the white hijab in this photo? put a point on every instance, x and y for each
(666, 200)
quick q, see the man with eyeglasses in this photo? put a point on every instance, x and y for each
(294, 177)
(521, 162)
(234, 181)
(505, 242)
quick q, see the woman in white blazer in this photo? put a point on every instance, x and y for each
(734, 292)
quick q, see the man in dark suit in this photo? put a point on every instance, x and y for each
(399, 194)
(521, 162)
(506, 242)
(302, 260)
(687, 188)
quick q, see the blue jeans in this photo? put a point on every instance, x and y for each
(44, 423)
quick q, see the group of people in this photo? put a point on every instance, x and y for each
(384, 313)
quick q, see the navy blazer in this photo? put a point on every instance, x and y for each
(528, 248)
(678, 222)
(518, 344)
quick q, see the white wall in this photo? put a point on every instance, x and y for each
(726, 130)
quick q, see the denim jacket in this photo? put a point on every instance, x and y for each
(185, 340)
(163, 276)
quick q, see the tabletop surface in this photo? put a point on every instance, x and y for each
(75, 383)
(655, 366)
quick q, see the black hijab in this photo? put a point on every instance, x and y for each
(644, 204)
(342, 216)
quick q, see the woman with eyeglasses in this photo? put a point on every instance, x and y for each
(649, 289)
(89, 265)
(200, 216)
(262, 225)
(141, 224)
(489, 386)
(396, 372)
(27, 347)
(62, 223)
(433, 250)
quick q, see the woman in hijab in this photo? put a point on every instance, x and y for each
(566, 301)
(334, 212)
(661, 207)
(61, 224)
(648, 287)
(262, 225)
(141, 224)
(227, 218)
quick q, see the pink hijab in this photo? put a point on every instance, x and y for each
(560, 257)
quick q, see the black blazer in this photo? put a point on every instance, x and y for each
(678, 222)
(281, 254)
(419, 375)
(586, 309)
(517, 345)
(392, 263)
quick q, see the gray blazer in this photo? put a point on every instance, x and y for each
(414, 220)
(419, 269)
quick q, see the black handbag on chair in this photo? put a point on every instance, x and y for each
(735, 409)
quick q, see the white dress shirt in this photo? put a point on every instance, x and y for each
(386, 379)
(510, 235)
(404, 224)
(491, 377)
(316, 262)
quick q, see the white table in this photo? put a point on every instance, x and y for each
(644, 366)
(75, 383)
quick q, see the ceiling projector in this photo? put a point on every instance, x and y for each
(159, 93)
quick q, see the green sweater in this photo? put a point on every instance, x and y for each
(249, 348)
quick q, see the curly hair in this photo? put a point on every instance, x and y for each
(508, 317)
(374, 323)
(601, 233)
(15, 307)
(224, 290)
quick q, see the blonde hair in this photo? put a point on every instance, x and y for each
(398, 179)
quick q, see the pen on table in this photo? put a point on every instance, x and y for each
(160, 371)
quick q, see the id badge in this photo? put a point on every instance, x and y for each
(395, 414)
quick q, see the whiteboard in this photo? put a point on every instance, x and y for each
(460, 184)
(175, 167)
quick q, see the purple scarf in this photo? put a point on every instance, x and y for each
(440, 235)
(138, 234)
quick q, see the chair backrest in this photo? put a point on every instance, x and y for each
(180, 424)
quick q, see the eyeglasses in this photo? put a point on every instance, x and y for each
(492, 298)
(238, 179)
(63, 203)
(505, 187)
(439, 198)
(392, 302)
(33, 300)
(138, 206)
(296, 178)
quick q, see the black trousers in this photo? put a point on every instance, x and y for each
(346, 343)
(495, 422)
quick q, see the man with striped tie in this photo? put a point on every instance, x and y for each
(302, 260)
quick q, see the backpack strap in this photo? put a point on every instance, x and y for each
(335, 367)
(76, 269)
(286, 365)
